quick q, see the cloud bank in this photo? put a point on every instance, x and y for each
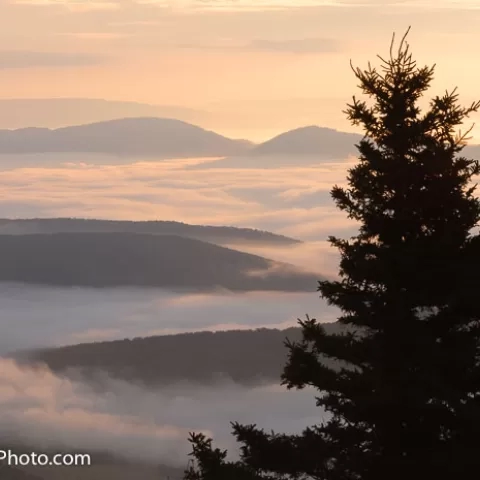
(42, 316)
(47, 411)
(31, 59)
(293, 199)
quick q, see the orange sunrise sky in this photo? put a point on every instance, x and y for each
(254, 67)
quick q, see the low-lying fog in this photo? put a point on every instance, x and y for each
(44, 316)
(46, 411)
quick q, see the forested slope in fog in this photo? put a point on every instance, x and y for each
(214, 234)
(247, 357)
(137, 260)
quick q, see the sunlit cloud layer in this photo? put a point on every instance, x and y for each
(292, 200)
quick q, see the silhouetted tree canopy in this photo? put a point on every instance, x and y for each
(407, 406)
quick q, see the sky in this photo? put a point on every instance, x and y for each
(258, 67)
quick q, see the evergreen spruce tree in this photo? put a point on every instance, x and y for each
(404, 402)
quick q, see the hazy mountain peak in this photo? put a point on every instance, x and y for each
(141, 136)
(310, 140)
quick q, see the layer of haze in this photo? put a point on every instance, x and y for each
(43, 316)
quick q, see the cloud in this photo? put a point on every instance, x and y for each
(46, 410)
(317, 256)
(129, 421)
(275, 5)
(305, 45)
(235, 5)
(10, 59)
(302, 45)
(74, 5)
(270, 198)
(228, 7)
(292, 200)
(94, 35)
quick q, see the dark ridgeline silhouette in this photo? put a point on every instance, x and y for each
(140, 260)
(213, 234)
(408, 405)
(160, 360)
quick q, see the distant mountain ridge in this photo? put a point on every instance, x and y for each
(314, 140)
(220, 235)
(106, 260)
(158, 137)
(170, 138)
(310, 140)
